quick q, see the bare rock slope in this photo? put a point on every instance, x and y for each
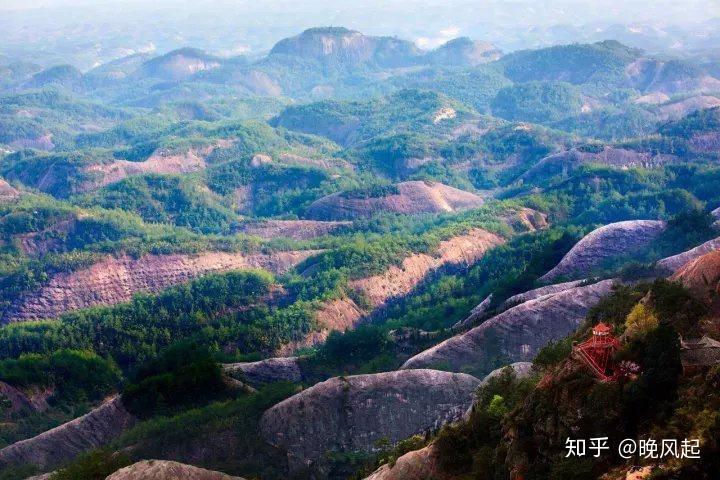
(395, 282)
(166, 470)
(420, 464)
(610, 156)
(116, 279)
(701, 276)
(350, 414)
(255, 374)
(516, 334)
(7, 191)
(671, 264)
(604, 243)
(540, 292)
(463, 250)
(295, 229)
(411, 198)
(62, 443)
(102, 174)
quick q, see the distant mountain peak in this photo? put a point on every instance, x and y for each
(342, 46)
(464, 51)
(180, 63)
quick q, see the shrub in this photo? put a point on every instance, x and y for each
(184, 375)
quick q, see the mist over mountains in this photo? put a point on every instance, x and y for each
(87, 33)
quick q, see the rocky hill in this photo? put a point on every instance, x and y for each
(669, 265)
(464, 52)
(516, 334)
(605, 243)
(397, 281)
(351, 414)
(163, 162)
(179, 64)
(419, 464)
(271, 370)
(166, 470)
(116, 279)
(53, 447)
(342, 47)
(409, 198)
(568, 160)
(7, 192)
(540, 292)
(462, 250)
(701, 276)
(669, 77)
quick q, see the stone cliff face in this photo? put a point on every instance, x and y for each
(671, 264)
(21, 402)
(539, 292)
(166, 470)
(422, 464)
(350, 414)
(271, 370)
(115, 280)
(701, 276)
(412, 197)
(604, 243)
(348, 47)
(52, 448)
(516, 334)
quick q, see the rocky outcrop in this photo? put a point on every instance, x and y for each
(116, 279)
(701, 276)
(477, 313)
(19, 401)
(516, 334)
(411, 198)
(423, 464)
(62, 443)
(350, 414)
(520, 369)
(340, 46)
(166, 470)
(397, 281)
(671, 264)
(165, 162)
(571, 159)
(179, 64)
(295, 229)
(271, 370)
(539, 292)
(604, 243)
(7, 192)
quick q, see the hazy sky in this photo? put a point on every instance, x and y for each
(84, 32)
(563, 10)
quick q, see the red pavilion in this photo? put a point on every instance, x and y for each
(597, 352)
